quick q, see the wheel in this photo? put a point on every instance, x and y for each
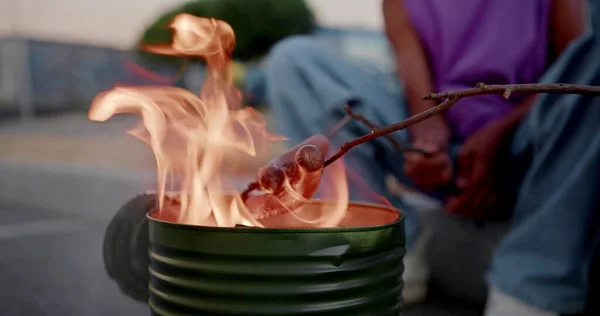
(125, 247)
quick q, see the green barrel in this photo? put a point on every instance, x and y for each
(198, 270)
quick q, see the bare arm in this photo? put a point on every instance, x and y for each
(568, 21)
(413, 67)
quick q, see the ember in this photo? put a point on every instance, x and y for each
(192, 135)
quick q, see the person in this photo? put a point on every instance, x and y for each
(441, 45)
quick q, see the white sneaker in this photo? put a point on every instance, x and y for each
(500, 304)
(416, 271)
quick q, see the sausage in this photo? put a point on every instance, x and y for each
(305, 158)
(302, 166)
(270, 178)
(309, 158)
(265, 205)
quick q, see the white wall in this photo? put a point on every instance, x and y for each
(114, 23)
(6, 20)
(118, 23)
(349, 13)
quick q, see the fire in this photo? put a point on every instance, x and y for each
(192, 135)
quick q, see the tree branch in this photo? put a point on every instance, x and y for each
(374, 128)
(507, 90)
(337, 127)
(391, 128)
(450, 98)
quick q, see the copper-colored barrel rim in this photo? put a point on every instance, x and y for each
(309, 230)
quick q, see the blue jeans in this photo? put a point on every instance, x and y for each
(307, 88)
(544, 259)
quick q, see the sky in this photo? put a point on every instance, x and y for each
(118, 23)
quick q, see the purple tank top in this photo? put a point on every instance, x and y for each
(490, 41)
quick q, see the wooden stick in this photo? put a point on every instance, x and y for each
(374, 128)
(507, 90)
(450, 98)
(337, 127)
(391, 128)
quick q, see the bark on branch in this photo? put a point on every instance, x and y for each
(507, 90)
(450, 98)
(374, 128)
(391, 128)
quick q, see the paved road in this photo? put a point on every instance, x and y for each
(51, 264)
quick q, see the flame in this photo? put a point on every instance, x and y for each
(191, 135)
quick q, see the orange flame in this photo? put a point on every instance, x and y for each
(191, 135)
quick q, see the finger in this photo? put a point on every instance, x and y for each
(412, 159)
(472, 202)
(484, 197)
(437, 162)
(426, 145)
(420, 162)
(465, 162)
(435, 169)
(411, 163)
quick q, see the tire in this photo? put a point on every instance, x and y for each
(125, 247)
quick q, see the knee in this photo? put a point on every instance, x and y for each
(291, 54)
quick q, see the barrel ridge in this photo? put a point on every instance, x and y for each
(204, 284)
(257, 272)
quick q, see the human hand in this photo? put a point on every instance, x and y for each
(431, 135)
(288, 180)
(477, 173)
(433, 170)
(428, 172)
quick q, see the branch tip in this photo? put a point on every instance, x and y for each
(449, 99)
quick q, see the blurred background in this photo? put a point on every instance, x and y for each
(55, 56)
(63, 177)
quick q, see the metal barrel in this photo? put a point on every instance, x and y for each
(197, 270)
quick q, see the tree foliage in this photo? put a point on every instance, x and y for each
(258, 24)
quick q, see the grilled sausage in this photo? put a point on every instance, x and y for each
(302, 168)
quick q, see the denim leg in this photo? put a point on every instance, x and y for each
(545, 257)
(307, 88)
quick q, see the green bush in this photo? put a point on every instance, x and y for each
(258, 24)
